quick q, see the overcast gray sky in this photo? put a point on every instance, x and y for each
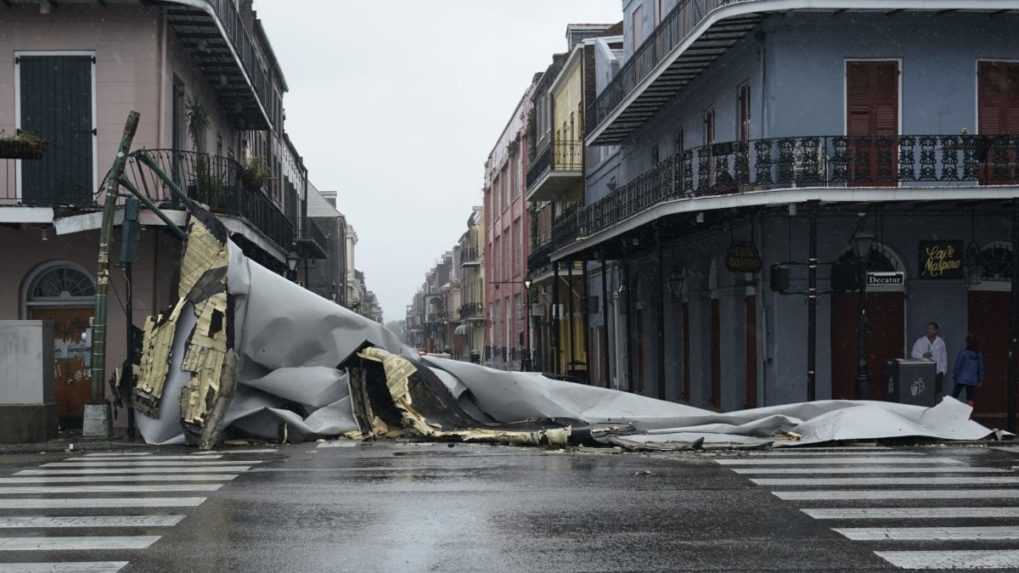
(397, 104)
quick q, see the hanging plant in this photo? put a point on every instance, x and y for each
(22, 145)
(254, 174)
(198, 122)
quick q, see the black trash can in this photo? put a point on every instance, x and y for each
(911, 382)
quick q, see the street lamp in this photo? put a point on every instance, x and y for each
(862, 244)
(292, 259)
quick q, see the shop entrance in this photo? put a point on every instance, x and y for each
(65, 295)
(885, 331)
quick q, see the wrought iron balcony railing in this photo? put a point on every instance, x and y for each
(557, 156)
(829, 162)
(312, 233)
(674, 28)
(221, 183)
(470, 255)
(472, 310)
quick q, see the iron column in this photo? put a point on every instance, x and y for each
(812, 307)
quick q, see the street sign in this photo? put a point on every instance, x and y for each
(886, 281)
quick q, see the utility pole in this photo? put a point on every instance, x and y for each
(97, 411)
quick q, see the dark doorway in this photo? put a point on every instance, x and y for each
(872, 122)
(716, 354)
(989, 324)
(885, 336)
(56, 104)
(750, 342)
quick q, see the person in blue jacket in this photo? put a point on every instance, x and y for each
(968, 373)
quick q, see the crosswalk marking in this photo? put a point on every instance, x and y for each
(870, 470)
(822, 495)
(245, 451)
(89, 521)
(76, 543)
(970, 559)
(99, 502)
(996, 533)
(833, 453)
(55, 489)
(868, 481)
(147, 464)
(835, 460)
(119, 478)
(912, 512)
(133, 471)
(117, 454)
(88, 459)
(83, 567)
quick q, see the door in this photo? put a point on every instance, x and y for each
(685, 395)
(872, 123)
(716, 354)
(55, 97)
(990, 325)
(998, 101)
(884, 340)
(750, 351)
(72, 348)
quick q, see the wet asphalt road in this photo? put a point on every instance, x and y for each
(410, 507)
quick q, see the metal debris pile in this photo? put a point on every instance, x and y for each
(246, 352)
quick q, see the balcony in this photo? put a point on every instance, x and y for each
(676, 52)
(313, 243)
(472, 311)
(829, 168)
(220, 183)
(559, 167)
(471, 256)
(226, 51)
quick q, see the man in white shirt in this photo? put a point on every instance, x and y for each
(932, 347)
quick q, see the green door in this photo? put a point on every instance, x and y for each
(56, 103)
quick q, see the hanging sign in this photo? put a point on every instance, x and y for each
(743, 258)
(941, 260)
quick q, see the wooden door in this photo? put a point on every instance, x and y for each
(872, 122)
(998, 101)
(716, 354)
(989, 323)
(72, 348)
(885, 339)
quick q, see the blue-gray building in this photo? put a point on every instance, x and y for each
(732, 138)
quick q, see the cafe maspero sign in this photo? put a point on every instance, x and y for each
(941, 260)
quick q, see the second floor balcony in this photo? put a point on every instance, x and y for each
(472, 311)
(224, 186)
(557, 168)
(834, 168)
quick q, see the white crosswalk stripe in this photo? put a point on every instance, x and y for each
(912, 512)
(146, 464)
(834, 460)
(912, 494)
(876, 470)
(82, 567)
(122, 487)
(871, 481)
(134, 471)
(90, 459)
(88, 521)
(118, 478)
(19, 490)
(963, 559)
(219, 453)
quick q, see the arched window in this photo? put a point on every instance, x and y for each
(996, 262)
(60, 284)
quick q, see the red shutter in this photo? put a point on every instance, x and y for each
(872, 116)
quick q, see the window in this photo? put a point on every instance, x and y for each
(655, 155)
(743, 113)
(679, 143)
(709, 126)
(637, 27)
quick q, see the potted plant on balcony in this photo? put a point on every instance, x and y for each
(207, 185)
(254, 174)
(22, 145)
